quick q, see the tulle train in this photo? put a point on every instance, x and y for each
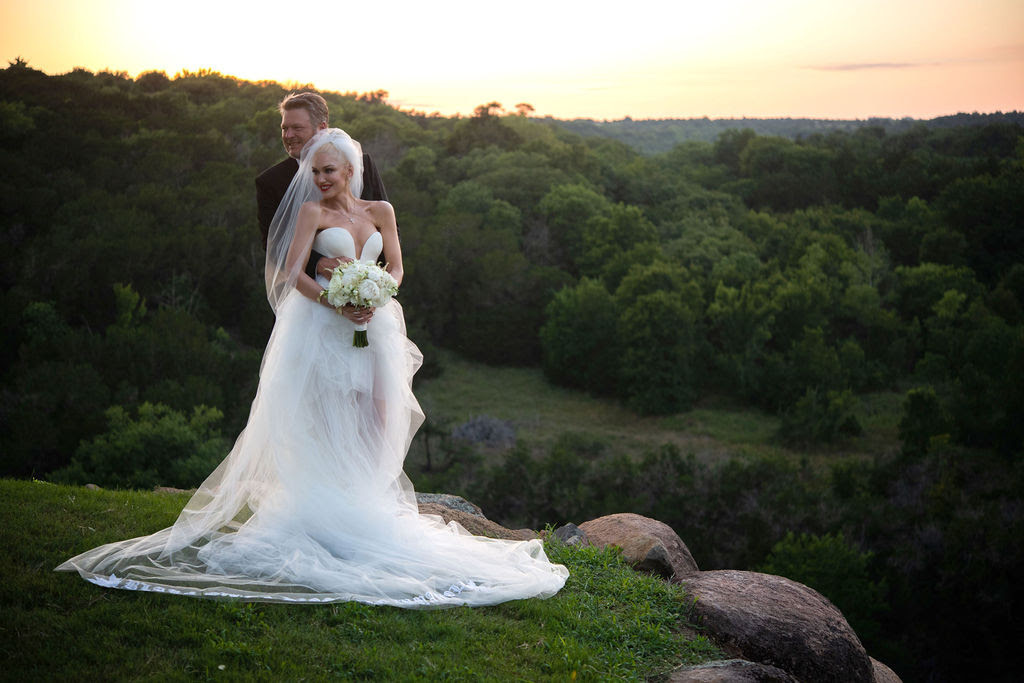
(312, 505)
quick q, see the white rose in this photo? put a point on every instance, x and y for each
(335, 292)
(368, 291)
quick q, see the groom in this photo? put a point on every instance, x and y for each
(302, 115)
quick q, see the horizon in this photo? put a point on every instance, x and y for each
(738, 59)
(505, 110)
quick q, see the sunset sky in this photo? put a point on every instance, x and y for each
(603, 60)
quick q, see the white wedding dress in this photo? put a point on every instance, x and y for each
(312, 505)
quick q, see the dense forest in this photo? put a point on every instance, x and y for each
(654, 136)
(799, 276)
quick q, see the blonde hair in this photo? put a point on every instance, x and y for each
(347, 149)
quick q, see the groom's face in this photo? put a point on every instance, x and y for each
(296, 130)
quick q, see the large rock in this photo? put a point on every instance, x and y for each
(451, 501)
(775, 621)
(171, 490)
(884, 674)
(730, 671)
(474, 524)
(646, 543)
(570, 534)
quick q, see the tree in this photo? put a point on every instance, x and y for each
(820, 416)
(659, 276)
(566, 209)
(607, 237)
(486, 110)
(524, 109)
(730, 146)
(484, 129)
(923, 419)
(579, 341)
(920, 288)
(662, 358)
(739, 331)
(986, 212)
(153, 81)
(788, 175)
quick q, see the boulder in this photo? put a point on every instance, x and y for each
(782, 623)
(451, 501)
(570, 534)
(170, 489)
(884, 674)
(647, 544)
(730, 671)
(474, 524)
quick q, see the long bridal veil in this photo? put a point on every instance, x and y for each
(312, 504)
(280, 276)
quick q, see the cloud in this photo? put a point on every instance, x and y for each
(1011, 52)
(999, 53)
(868, 65)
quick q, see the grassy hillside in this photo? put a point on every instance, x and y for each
(540, 411)
(608, 623)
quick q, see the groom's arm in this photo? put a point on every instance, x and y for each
(373, 186)
(267, 202)
(268, 198)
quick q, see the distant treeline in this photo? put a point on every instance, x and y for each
(654, 136)
(796, 275)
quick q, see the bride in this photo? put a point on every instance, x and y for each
(311, 504)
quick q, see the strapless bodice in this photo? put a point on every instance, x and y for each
(338, 241)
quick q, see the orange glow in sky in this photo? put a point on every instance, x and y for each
(604, 60)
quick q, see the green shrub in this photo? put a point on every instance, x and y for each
(820, 416)
(923, 419)
(160, 447)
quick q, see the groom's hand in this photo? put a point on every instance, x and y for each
(326, 265)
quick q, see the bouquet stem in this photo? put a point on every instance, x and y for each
(359, 337)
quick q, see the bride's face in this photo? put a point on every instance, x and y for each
(331, 173)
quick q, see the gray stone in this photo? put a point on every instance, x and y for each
(730, 671)
(782, 623)
(451, 501)
(170, 489)
(647, 544)
(475, 524)
(570, 534)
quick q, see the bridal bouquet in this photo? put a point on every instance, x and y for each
(360, 283)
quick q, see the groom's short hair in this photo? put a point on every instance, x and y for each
(311, 102)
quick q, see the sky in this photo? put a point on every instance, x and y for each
(837, 59)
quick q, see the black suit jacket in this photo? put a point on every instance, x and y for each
(273, 183)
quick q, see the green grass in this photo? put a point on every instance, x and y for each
(607, 623)
(729, 426)
(541, 411)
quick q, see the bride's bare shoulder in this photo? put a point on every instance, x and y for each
(380, 210)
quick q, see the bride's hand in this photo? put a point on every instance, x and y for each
(326, 265)
(360, 316)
